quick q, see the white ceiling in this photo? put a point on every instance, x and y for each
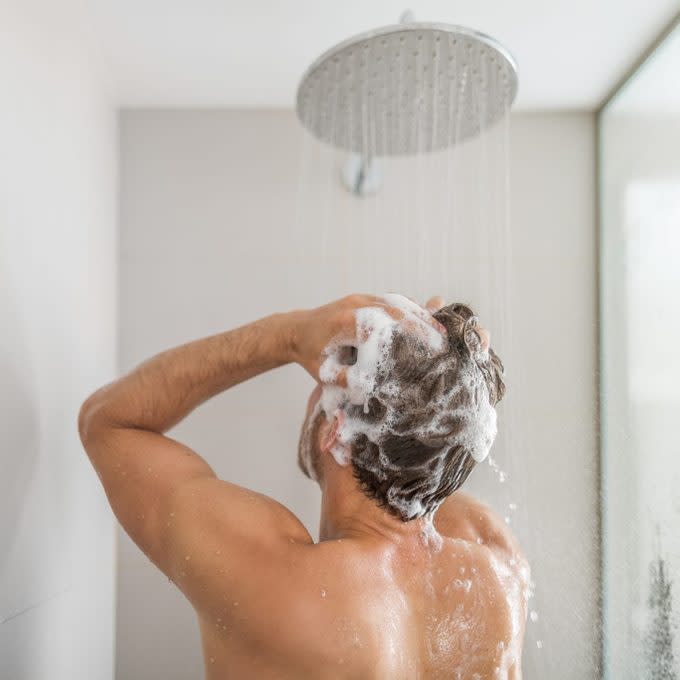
(655, 89)
(220, 53)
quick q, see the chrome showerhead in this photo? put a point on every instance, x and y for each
(407, 88)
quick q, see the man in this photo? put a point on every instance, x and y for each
(402, 412)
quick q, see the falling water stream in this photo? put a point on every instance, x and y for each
(438, 225)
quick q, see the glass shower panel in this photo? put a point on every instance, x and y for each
(640, 359)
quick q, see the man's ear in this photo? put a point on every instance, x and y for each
(329, 434)
(331, 443)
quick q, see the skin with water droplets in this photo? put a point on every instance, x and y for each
(397, 604)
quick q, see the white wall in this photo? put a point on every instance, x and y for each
(226, 216)
(57, 342)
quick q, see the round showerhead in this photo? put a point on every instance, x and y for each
(407, 88)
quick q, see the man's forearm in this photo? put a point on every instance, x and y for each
(164, 389)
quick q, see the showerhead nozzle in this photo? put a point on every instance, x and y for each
(407, 88)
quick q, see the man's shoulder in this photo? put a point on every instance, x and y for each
(467, 518)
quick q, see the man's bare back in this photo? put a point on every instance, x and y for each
(370, 607)
(376, 597)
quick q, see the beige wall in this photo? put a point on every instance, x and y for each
(57, 343)
(226, 216)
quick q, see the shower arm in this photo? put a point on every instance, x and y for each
(361, 174)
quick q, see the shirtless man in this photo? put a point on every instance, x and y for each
(391, 589)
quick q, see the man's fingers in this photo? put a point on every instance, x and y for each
(406, 316)
(341, 378)
(335, 377)
(394, 312)
(409, 314)
(484, 338)
(434, 304)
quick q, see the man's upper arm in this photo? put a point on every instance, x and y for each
(141, 471)
(225, 541)
(170, 503)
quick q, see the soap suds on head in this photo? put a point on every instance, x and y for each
(417, 410)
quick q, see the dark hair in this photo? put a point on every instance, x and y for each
(430, 408)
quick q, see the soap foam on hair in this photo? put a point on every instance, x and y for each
(375, 332)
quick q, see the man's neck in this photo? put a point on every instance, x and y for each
(346, 511)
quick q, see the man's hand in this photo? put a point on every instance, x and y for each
(335, 324)
(434, 304)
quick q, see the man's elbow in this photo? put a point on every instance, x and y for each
(91, 419)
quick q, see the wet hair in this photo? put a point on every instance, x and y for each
(435, 416)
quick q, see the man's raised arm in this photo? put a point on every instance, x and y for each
(122, 424)
(162, 492)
